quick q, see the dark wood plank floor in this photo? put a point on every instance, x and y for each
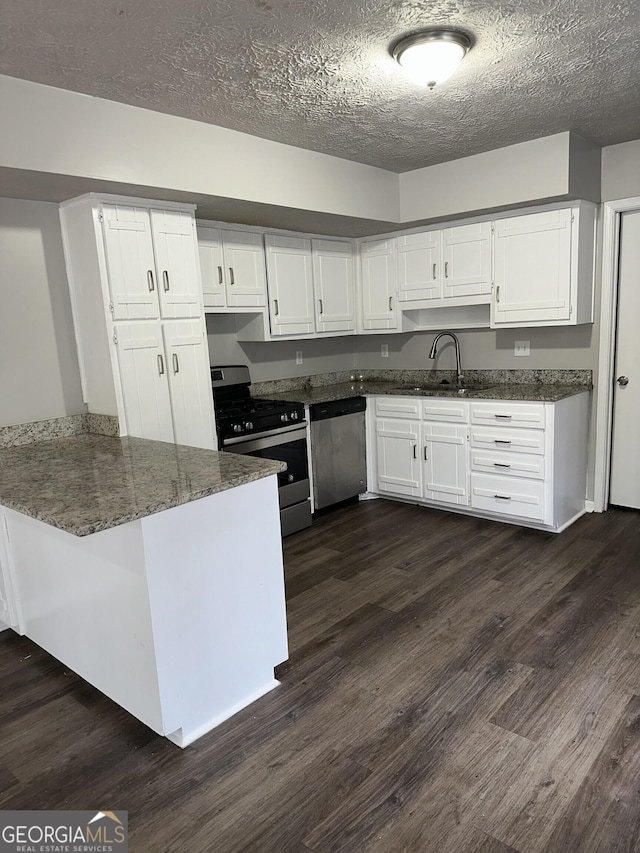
(455, 686)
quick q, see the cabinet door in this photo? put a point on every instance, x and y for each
(289, 272)
(532, 269)
(130, 262)
(397, 444)
(190, 383)
(446, 463)
(419, 266)
(176, 252)
(466, 260)
(379, 285)
(144, 383)
(211, 266)
(244, 270)
(334, 285)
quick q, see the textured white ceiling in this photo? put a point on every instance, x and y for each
(317, 73)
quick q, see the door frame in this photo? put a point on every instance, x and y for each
(612, 214)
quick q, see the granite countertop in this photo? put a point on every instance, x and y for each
(87, 483)
(537, 392)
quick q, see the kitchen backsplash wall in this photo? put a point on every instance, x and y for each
(276, 359)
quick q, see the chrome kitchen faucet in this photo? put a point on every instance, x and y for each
(433, 350)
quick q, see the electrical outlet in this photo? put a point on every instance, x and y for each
(384, 350)
(522, 348)
(299, 356)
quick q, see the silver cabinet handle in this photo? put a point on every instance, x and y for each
(622, 381)
(160, 365)
(434, 271)
(415, 451)
(502, 465)
(498, 293)
(391, 303)
(232, 279)
(504, 417)
(425, 453)
(219, 275)
(176, 366)
(446, 269)
(165, 280)
(275, 307)
(321, 306)
(150, 283)
(502, 441)
(503, 497)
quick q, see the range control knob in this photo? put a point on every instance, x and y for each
(294, 416)
(284, 418)
(248, 425)
(237, 427)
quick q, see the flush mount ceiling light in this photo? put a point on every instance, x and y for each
(431, 56)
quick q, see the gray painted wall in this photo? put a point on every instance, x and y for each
(621, 171)
(39, 374)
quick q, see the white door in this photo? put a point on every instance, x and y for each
(290, 277)
(625, 457)
(446, 466)
(176, 252)
(379, 285)
(532, 275)
(244, 269)
(398, 457)
(211, 266)
(190, 383)
(130, 262)
(466, 260)
(334, 285)
(144, 381)
(419, 266)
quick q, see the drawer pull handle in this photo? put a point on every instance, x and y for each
(503, 497)
(502, 441)
(505, 417)
(502, 465)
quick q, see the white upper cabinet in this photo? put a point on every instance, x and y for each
(444, 264)
(290, 278)
(174, 242)
(151, 262)
(233, 268)
(379, 285)
(334, 287)
(466, 260)
(130, 262)
(543, 268)
(419, 266)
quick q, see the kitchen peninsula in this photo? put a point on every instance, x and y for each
(129, 561)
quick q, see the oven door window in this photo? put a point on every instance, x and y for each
(293, 453)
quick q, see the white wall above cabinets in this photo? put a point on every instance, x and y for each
(232, 267)
(523, 462)
(136, 297)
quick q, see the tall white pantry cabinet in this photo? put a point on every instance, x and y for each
(136, 298)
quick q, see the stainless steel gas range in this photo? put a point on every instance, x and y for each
(271, 429)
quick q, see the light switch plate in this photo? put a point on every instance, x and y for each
(522, 348)
(384, 350)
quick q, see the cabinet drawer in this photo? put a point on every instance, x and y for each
(398, 407)
(509, 414)
(508, 496)
(447, 411)
(507, 464)
(514, 440)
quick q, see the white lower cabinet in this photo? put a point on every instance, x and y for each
(523, 462)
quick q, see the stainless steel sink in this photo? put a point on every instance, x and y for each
(452, 390)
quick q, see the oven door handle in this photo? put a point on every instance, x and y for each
(269, 438)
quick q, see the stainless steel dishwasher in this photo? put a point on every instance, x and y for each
(338, 450)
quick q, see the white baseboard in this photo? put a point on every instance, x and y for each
(589, 506)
